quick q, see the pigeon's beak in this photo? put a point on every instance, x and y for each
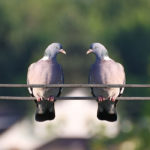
(62, 51)
(89, 51)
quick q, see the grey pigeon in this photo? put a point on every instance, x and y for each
(46, 71)
(106, 71)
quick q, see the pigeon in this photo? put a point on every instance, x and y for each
(106, 71)
(46, 71)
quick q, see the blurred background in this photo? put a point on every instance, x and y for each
(28, 27)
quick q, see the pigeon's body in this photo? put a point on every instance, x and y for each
(46, 71)
(106, 71)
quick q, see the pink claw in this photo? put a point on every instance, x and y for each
(100, 99)
(39, 99)
(51, 99)
(112, 99)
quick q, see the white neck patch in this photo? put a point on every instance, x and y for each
(45, 58)
(107, 58)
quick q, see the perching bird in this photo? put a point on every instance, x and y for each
(46, 71)
(106, 71)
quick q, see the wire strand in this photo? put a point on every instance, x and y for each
(71, 98)
(74, 85)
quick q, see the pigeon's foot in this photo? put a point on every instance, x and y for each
(39, 99)
(101, 99)
(112, 99)
(51, 99)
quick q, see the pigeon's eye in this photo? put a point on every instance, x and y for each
(91, 46)
(60, 46)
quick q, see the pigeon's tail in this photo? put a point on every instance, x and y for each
(44, 111)
(107, 111)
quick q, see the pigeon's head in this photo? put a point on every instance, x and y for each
(53, 49)
(99, 50)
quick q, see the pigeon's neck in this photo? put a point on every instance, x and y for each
(53, 59)
(102, 55)
(107, 58)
